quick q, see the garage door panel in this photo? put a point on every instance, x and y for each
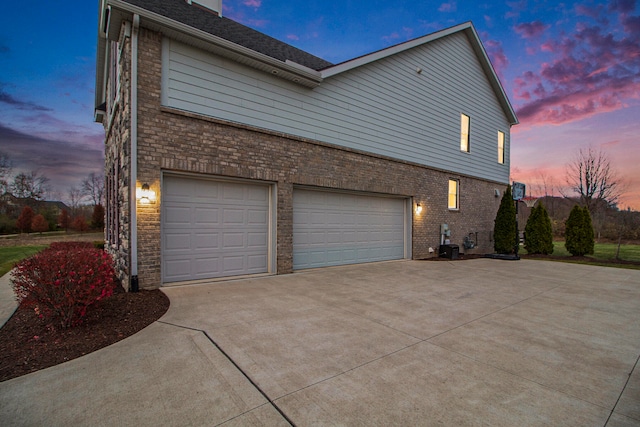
(257, 263)
(233, 240)
(332, 228)
(206, 215)
(206, 241)
(257, 240)
(180, 269)
(213, 228)
(177, 242)
(203, 264)
(178, 215)
(232, 216)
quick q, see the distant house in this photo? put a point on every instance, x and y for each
(231, 153)
(12, 206)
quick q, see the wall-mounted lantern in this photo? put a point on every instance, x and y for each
(145, 196)
(418, 208)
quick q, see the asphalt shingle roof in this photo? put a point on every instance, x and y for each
(208, 21)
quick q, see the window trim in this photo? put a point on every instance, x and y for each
(457, 194)
(465, 134)
(501, 146)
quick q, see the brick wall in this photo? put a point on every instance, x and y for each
(172, 140)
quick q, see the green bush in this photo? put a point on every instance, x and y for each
(538, 234)
(504, 233)
(579, 237)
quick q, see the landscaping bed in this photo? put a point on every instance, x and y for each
(28, 343)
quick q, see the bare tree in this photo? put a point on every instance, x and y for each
(6, 165)
(591, 177)
(75, 197)
(93, 187)
(30, 185)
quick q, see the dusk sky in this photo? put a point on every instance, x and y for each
(571, 71)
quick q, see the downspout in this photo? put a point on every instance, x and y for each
(133, 286)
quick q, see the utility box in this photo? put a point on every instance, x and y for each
(449, 251)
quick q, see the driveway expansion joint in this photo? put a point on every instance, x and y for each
(233, 362)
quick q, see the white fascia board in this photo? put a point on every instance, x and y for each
(293, 71)
(384, 53)
(493, 77)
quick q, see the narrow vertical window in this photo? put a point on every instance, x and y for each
(464, 132)
(500, 147)
(454, 187)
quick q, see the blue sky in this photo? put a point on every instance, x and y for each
(571, 71)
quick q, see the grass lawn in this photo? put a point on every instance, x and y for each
(602, 252)
(10, 255)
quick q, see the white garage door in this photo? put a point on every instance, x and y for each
(213, 228)
(331, 228)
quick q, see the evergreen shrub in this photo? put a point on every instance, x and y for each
(579, 236)
(538, 234)
(504, 233)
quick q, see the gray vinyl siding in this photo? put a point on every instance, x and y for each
(384, 107)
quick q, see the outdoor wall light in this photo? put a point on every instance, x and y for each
(418, 208)
(145, 196)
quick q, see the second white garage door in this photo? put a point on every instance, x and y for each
(213, 228)
(333, 228)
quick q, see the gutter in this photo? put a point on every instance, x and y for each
(134, 286)
(288, 70)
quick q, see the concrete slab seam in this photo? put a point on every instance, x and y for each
(493, 312)
(251, 381)
(622, 392)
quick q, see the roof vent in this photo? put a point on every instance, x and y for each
(215, 5)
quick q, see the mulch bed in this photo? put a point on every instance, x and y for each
(28, 343)
(583, 259)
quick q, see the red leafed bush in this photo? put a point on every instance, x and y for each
(61, 283)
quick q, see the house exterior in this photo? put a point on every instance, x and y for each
(230, 153)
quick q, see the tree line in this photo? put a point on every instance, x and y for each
(24, 208)
(592, 182)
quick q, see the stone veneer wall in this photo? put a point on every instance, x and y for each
(173, 140)
(117, 125)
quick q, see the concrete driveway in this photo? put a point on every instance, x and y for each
(477, 342)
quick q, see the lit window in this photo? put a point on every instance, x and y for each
(454, 186)
(500, 147)
(464, 132)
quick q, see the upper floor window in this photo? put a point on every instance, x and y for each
(500, 147)
(465, 123)
(454, 194)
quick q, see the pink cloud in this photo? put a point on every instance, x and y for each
(622, 6)
(596, 12)
(631, 24)
(252, 3)
(530, 30)
(260, 23)
(497, 56)
(292, 37)
(391, 37)
(451, 6)
(591, 72)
